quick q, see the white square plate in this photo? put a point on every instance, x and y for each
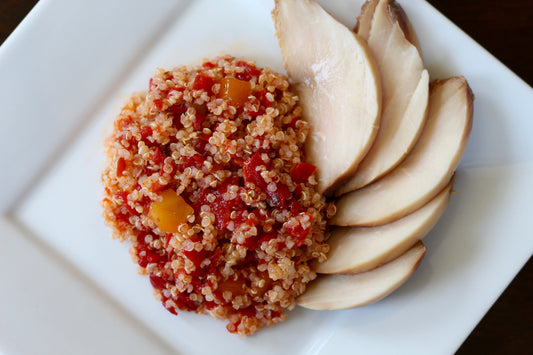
(69, 288)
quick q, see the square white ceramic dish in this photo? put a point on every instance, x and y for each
(68, 287)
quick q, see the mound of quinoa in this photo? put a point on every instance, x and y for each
(221, 144)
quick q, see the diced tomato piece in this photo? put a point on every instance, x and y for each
(297, 193)
(196, 161)
(172, 310)
(157, 186)
(302, 171)
(141, 242)
(266, 237)
(184, 302)
(146, 131)
(150, 257)
(261, 95)
(295, 206)
(199, 144)
(280, 197)
(196, 256)
(167, 240)
(157, 156)
(158, 282)
(200, 118)
(203, 82)
(121, 166)
(176, 111)
(248, 311)
(122, 197)
(251, 242)
(214, 258)
(158, 103)
(123, 124)
(169, 308)
(220, 207)
(250, 172)
(298, 231)
(209, 305)
(198, 283)
(249, 71)
(201, 112)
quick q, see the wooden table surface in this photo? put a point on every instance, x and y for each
(504, 28)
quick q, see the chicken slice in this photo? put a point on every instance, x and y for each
(359, 249)
(405, 86)
(338, 83)
(340, 291)
(425, 171)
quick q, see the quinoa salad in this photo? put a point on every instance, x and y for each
(206, 179)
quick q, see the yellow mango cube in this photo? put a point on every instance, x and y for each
(170, 212)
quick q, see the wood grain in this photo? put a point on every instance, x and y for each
(504, 28)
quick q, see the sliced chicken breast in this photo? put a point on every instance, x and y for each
(405, 87)
(425, 171)
(338, 83)
(359, 249)
(329, 292)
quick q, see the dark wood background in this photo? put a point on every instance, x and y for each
(504, 28)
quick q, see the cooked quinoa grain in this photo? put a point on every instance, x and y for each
(206, 179)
